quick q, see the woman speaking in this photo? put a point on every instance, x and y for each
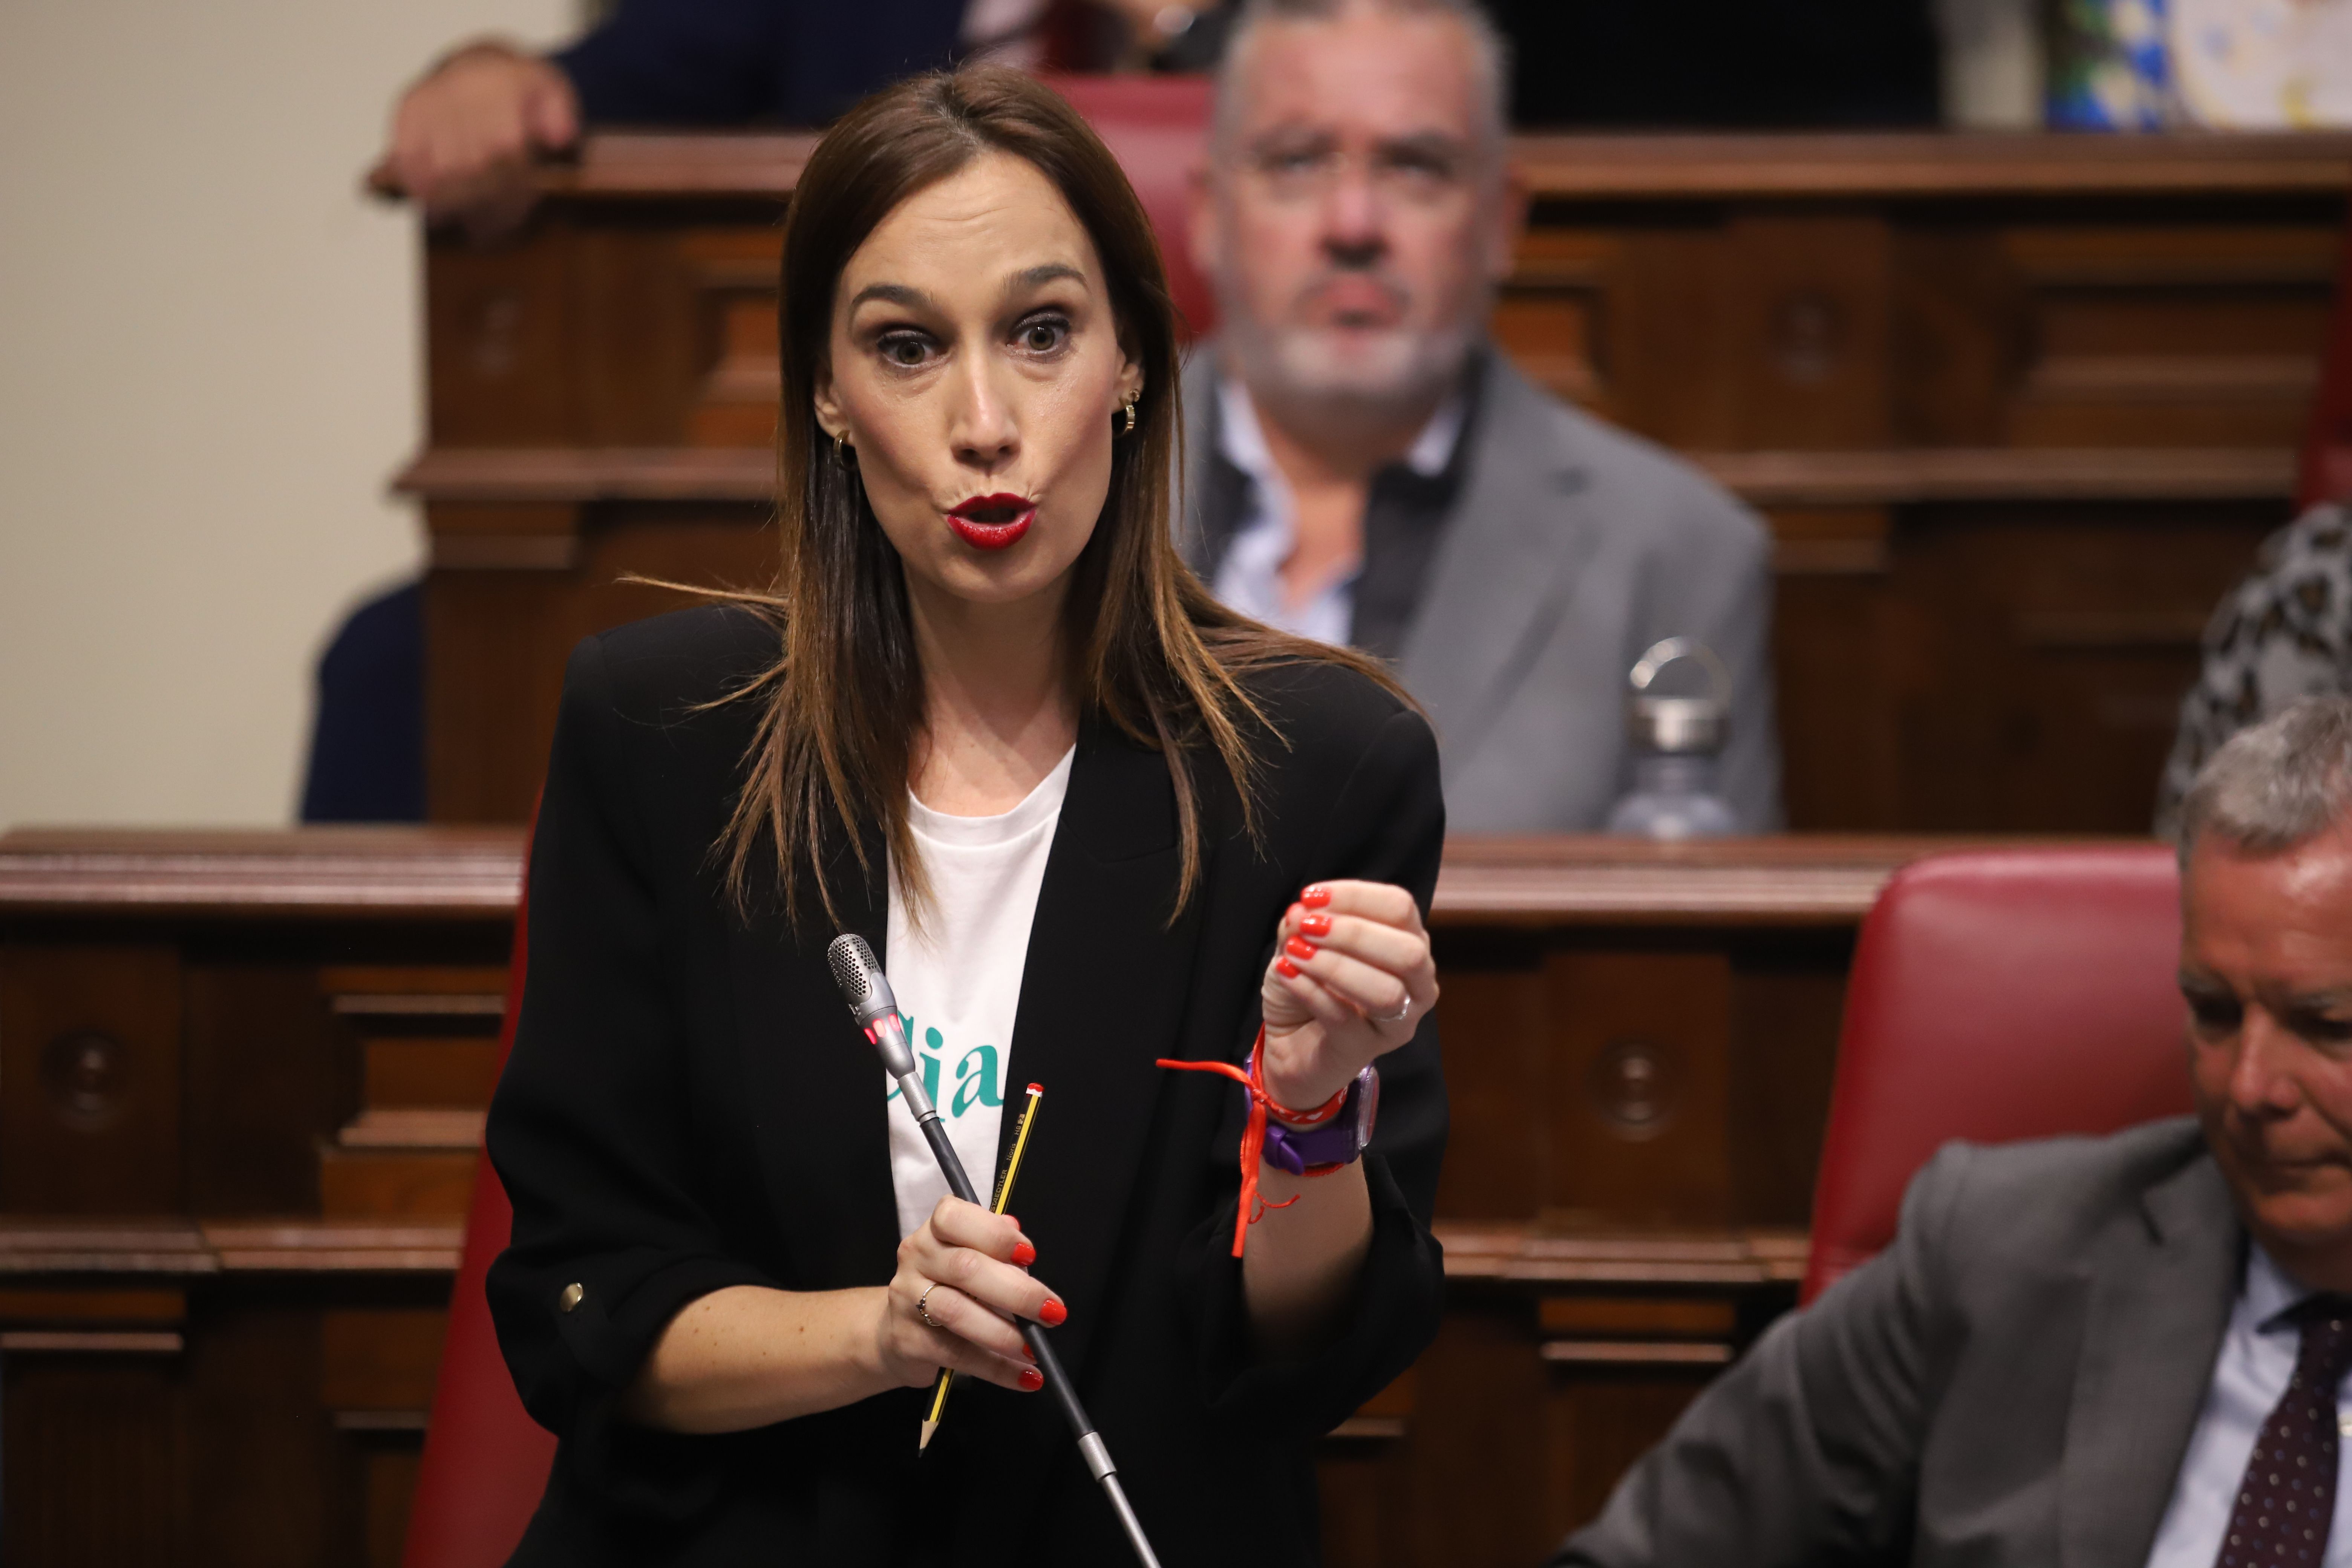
(1090, 820)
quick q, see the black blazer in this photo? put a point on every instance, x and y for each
(688, 1106)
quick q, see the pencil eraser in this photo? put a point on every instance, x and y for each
(1037, 1089)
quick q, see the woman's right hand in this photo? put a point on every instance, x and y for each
(975, 1264)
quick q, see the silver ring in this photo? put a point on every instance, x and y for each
(923, 1310)
(1404, 1010)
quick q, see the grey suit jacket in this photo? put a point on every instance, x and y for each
(1568, 548)
(2013, 1381)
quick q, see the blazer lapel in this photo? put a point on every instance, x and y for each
(1502, 574)
(1102, 996)
(2162, 1282)
(816, 1091)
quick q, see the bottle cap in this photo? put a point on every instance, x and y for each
(1678, 698)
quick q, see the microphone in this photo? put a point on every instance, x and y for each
(867, 991)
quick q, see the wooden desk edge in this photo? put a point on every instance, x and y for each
(427, 872)
(477, 874)
(763, 165)
(1475, 1252)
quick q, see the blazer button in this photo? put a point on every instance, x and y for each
(573, 1294)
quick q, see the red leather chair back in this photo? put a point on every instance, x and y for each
(2327, 468)
(1157, 127)
(1997, 996)
(486, 1460)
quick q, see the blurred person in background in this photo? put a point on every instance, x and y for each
(466, 134)
(2282, 634)
(1365, 468)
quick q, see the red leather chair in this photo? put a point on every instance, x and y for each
(2326, 468)
(1997, 997)
(486, 1461)
(1157, 128)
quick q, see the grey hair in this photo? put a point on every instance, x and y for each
(2270, 787)
(1489, 50)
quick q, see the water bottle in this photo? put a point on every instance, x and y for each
(1677, 709)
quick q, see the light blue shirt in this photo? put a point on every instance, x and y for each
(2257, 1358)
(1249, 579)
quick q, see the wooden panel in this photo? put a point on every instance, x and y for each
(430, 1071)
(633, 352)
(85, 1306)
(1596, 1422)
(2040, 656)
(261, 1475)
(98, 1448)
(1551, 313)
(1643, 1316)
(91, 1034)
(383, 1184)
(380, 1358)
(1810, 299)
(388, 1464)
(497, 326)
(733, 274)
(488, 740)
(1788, 1006)
(1668, 341)
(262, 1086)
(2154, 334)
(1477, 1473)
(1492, 1022)
(1833, 661)
(1639, 1088)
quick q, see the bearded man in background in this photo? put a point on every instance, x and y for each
(1364, 467)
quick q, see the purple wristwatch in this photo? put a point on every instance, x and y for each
(1339, 1142)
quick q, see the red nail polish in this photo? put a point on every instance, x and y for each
(1316, 897)
(1026, 1353)
(1315, 925)
(1024, 1254)
(1031, 1379)
(1287, 969)
(1051, 1313)
(1298, 947)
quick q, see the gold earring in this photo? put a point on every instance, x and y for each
(841, 449)
(1132, 399)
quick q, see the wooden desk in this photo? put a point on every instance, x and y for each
(241, 1081)
(2018, 408)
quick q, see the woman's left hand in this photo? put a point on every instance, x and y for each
(1349, 982)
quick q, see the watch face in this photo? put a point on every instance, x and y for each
(1367, 1107)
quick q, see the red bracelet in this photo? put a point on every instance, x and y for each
(1252, 1208)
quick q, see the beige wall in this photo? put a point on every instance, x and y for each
(208, 367)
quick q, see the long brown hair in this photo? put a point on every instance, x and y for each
(1152, 652)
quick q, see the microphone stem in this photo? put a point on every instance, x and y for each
(1090, 1443)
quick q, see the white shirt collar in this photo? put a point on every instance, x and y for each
(2270, 1291)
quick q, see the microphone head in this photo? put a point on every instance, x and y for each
(867, 991)
(861, 980)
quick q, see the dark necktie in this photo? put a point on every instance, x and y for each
(2287, 1499)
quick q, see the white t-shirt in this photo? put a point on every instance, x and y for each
(957, 980)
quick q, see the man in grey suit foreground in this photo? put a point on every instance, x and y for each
(1362, 467)
(2111, 1351)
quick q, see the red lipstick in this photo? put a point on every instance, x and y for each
(992, 522)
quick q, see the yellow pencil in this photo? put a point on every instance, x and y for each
(1003, 1196)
